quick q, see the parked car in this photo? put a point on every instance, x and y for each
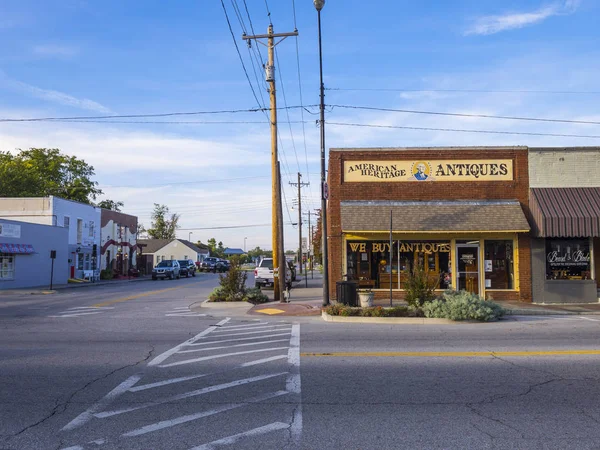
(167, 269)
(188, 268)
(209, 264)
(263, 274)
(223, 265)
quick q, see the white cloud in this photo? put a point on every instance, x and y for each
(495, 24)
(51, 95)
(55, 51)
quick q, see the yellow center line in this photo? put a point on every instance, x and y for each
(452, 354)
(133, 297)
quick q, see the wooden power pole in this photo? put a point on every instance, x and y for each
(299, 184)
(277, 213)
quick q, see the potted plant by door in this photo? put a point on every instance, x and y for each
(365, 296)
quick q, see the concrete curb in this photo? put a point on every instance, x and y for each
(393, 320)
(226, 305)
(549, 312)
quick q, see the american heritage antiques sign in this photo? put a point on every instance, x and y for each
(423, 171)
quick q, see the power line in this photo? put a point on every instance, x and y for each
(180, 122)
(484, 116)
(464, 130)
(287, 112)
(483, 91)
(134, 116)
(239, 54)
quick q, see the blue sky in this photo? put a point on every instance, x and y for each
(82, 58)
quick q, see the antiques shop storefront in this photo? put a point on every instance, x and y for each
(460, 220)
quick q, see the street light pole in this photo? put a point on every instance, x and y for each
(245, 244)
(319, 6)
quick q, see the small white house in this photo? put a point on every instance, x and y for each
(156, 250)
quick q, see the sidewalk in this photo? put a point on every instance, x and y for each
(303, 301)
(41, 290)
(308, 300)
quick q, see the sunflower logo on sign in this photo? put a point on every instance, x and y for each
(421, 171)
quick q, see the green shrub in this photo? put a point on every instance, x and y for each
(463, 305)
(420, 287)
(255, 296)
(106, 274)
(374, 311)
(217, 295)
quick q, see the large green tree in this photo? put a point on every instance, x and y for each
(39, 172)
(164, 224)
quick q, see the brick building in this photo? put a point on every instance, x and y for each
(459, 213)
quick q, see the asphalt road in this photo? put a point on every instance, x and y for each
(131, 366)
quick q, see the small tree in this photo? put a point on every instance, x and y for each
(163, 224)
(420, 286)
(110, 204)
(232, 286)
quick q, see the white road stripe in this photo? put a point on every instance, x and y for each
(240, 339)
(273, 330)
(91, 307)
(160, 358)
(230, 346)
(78, 314)
(248, 328)
(185, 315)
(293, 384)
(190, 417)
(232, 327)
(224, 355)
(88, 414)
(182, 307)
(237, 437)
(264, 360)
(143, 387)
(75, 447)
(587, 318)
(206, 390)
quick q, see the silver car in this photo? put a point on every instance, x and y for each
(166, 269)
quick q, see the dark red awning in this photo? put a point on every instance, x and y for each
(565, 212)
(16, 249)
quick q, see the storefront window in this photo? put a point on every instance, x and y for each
(568, 259)
(79, 261)
(373, 265)
(7, 267)
(498, 265)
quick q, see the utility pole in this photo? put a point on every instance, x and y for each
(310, 243)
(276, 214)
(299, 184)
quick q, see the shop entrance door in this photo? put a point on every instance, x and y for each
(467, 261)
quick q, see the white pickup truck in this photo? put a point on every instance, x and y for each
(263, 274)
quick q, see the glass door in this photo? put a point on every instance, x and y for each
(467, 261)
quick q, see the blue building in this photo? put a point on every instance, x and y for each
(25, 254)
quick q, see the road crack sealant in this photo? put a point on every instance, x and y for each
(56, 410)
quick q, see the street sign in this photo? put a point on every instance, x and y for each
(325, 191)
(304, 245)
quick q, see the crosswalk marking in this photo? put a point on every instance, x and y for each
(240, 339)
(231, 346)
(190, 417)
(82, 311)
(195, 393)
(237, 437)
(224, 355)
(271, 329)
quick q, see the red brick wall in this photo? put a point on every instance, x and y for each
(518, 189)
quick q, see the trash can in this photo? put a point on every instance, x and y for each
(346, 292)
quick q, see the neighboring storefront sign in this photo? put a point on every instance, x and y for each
(433, 170)
(10, 230)
(419, 247)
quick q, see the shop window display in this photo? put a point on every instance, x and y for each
(372, 265)
(568, 259)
